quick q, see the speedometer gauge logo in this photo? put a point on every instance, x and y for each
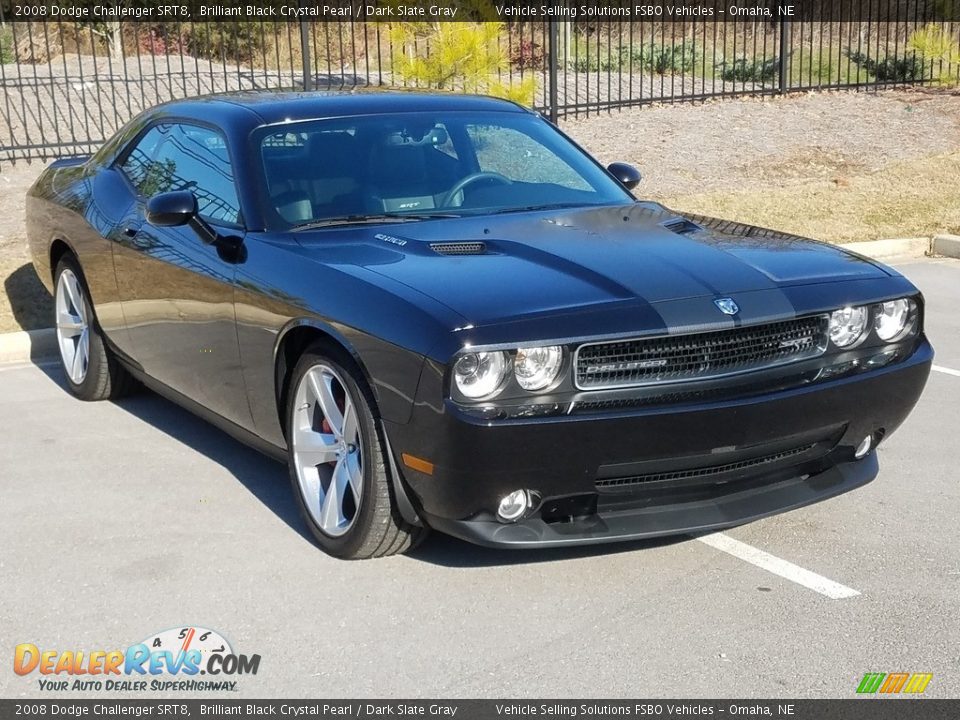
(184, 639)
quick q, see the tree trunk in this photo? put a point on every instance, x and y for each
(114, 34)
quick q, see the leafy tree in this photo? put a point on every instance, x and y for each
(457, 55)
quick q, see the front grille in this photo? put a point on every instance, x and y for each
(459, 248)
(680, 358)
(702, 472)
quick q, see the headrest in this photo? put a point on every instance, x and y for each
(332, 147)
(408, 138)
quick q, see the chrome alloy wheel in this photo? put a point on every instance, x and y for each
(327, 450)
(73, 326)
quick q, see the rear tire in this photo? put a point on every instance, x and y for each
(337, 461)
(91, 369)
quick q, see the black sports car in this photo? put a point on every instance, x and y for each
(442, 313)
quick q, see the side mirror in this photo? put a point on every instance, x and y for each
(172, 209)
(627, 175)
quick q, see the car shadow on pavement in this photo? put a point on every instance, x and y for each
(264, 478)
(30, 304)
(267, 480)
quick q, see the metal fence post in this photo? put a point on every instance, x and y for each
(784, 56)
(305, 48)
(554, 46)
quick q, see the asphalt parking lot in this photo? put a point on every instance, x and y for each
(121, 520)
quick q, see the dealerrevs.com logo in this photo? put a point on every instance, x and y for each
(171, 660)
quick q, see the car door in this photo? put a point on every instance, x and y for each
(177, 291)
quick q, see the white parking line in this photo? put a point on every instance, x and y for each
(771, 563)
(948, 371)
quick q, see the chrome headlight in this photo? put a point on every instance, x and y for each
(847, 325)
(537, 368)
(479, 375)
(895, 319)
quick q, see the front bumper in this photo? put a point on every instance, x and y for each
(685, 469)
(726, 510)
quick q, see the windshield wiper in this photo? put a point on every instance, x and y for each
(545, 206)
(370, 219)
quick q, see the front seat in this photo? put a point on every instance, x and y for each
(399, 180)
(405, 174)
(333, 184)
(294, 206)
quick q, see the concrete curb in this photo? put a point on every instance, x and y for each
(895, 248)
(35, 345)
(946, 245)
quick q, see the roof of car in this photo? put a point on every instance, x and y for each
(275, 106)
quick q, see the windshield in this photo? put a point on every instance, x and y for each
(423, 165)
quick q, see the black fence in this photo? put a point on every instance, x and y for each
(66, 86)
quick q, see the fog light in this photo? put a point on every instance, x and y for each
(513, 506)
(864, 447)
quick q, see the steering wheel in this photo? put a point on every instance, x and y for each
(470, 180)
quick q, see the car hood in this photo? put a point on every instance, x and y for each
(493, 268)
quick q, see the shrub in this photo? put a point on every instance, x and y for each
(526, 54)
(160, 40)
(597, 60)
(7, 52)
(758, 70)
(936, 46)
(890, 69)
(676, 58)
(456, 55)
(232, 40)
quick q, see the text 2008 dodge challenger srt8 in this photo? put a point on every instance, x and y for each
(444, 314)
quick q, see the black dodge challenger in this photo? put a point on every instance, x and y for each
(442, 313)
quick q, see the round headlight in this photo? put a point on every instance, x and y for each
(480, 374)
(537, 368)
(847, 325)
(893, 319)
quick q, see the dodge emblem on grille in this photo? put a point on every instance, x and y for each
(727, 306)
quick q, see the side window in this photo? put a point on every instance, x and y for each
(186, 157)
(138, 166)
(519, 157)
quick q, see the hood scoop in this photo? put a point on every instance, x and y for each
(681, 226)
(459, 248)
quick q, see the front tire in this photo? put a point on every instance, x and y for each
(337, 461)
(91, 369)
